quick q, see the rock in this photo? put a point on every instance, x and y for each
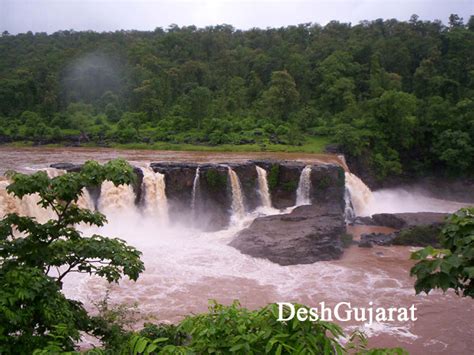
(69, 167)
(306, 235)
(287, 177)
(137, 185)
(403, 220)
(413, 229)
(368, 240)
(179, 180)
(419, 236)
(362, 221)
(327, 184)
(214, 200)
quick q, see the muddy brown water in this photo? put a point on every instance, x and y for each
(25, 159)
(185, 268)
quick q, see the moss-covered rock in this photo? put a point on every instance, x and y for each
(420, 236)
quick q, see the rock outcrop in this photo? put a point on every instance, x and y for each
(211, 207)
(306, 235)
(414, 229)
(402, 220)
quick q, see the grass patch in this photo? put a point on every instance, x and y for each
(311, 145)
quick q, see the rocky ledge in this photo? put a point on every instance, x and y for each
(402, 220)
(413, 229)
(306, 235)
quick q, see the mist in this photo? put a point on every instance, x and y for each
(89, 76)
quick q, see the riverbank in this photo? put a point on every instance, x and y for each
(314, 145)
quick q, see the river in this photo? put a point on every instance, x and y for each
(186, 267)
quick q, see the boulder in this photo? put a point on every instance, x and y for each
(368, 240)
(413, 229)
(404, 220)
(306, 235)
(69, 167)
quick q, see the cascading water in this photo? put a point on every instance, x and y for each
(238, 208)
(263, 187)
(304, 187)
(115, 199)
(85, 200)
(195, 191)
(8, 203)
(349, 213)
(154, 189)
(359, 193)
(53, 172)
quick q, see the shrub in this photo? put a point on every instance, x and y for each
(31, 303)
(237, 330)
(273, 177)
(419, 236)
(453, 266)
(215, 180)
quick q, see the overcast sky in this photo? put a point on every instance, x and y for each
(108, 15)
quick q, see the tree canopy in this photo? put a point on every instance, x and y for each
(409, 84)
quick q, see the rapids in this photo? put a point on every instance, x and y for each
(185, 266)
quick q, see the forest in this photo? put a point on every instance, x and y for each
(399, 94)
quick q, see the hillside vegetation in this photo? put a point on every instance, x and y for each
(399, 94)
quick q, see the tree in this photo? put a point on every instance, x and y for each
(198, 100)
(35, 258)
(281, 97)
(394, 114)
(455, 21)
(455, 149)
(453, 266)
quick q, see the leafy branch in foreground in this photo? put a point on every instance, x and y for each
(35, 257)
(236, 330)
(453, 266)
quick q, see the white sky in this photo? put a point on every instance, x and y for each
(108, 15)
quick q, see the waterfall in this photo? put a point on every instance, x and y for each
(349, 213)
(304, 187)
(28, 205)
(85, 200)
(195, 191)
(53, 172)
(8, 203)
(238, 209)
(116, 198)
(155, 202)
(263, 187)
(360, 194)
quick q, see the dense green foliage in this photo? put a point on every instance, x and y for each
(398, 94)
(452, 267)
(237, 330)
(35, 257)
